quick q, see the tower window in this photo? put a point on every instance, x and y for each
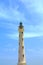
(22, 38)
(22, 46)
(22, 32)
(23, 55)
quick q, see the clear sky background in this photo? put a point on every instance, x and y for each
(30, 12)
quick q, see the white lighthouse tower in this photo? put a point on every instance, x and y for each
(21, 52)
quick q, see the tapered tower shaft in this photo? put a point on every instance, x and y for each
(21, 54)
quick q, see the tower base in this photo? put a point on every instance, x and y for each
(22, 63)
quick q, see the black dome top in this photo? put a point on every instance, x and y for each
(20, 23)
(21, 26)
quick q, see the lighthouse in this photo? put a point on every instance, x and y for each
(21, 51)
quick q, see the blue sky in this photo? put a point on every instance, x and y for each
(30, 12)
